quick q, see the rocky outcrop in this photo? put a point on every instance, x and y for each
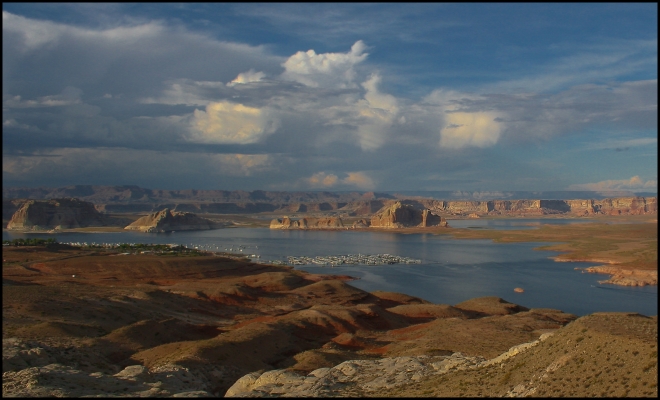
(401, 215)
(361, 223)
(10, 206)
(307, 223)
(63, 213)
(355, 378)
(167, 221)
(624, 276)
(32, 370)
(365, 207)
(626, 205)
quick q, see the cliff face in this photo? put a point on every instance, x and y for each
(614, 206)
(307, 223)
(627, 205)
(56, 213)
(401, 215)
(167, 221)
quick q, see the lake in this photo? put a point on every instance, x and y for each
(451, 270)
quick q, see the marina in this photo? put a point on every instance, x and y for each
(352, 259)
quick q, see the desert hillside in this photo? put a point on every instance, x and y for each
(86, 323)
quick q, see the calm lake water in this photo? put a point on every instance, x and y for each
(451, 271)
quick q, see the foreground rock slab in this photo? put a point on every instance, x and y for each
(32, 372)
(362, 377)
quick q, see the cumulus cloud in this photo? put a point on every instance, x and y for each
(360, 180)
(378, 111)
(464, 126)
(226, 122)
(321, 179)
(633, 184)
(162, 87)
(325, 180)
(247, 77)
(325, 69)
(462, 129)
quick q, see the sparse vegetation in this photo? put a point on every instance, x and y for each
(29, 242)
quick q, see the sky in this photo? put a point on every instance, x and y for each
(336, 97)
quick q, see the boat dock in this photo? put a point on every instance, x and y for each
(352, 259)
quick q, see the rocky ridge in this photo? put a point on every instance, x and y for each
(168, 221)
(605, 354)
(358, 378)
(132, 199)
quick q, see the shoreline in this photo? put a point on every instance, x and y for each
(573, 242)
(622, 271)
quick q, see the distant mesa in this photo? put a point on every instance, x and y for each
(307, 223)
(397, 215)
(168, 221)
(64, 213)
(401, 215)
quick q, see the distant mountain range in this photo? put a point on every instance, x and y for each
(130, 194)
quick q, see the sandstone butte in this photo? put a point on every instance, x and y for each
(65, 213)
(397, 215)
(400, 215)
(167, 221)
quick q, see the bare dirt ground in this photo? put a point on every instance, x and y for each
(224, 316)
(88, 323)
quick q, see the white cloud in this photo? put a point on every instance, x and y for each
(131, 59)
(378, 111)
(325, 180)
(359, 180)
(226, 122)
(462, 129)
(634, 184)
(463, 126)
(247, 77)
(321, 179)
(325, 69)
